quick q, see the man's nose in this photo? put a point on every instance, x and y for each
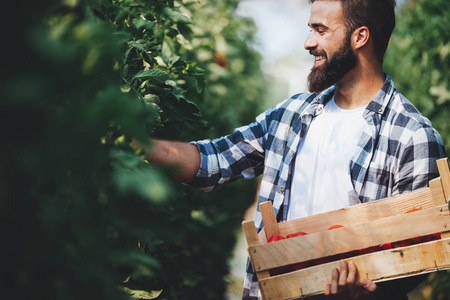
(310, 42)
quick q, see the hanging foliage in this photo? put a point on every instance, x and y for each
(83, 215)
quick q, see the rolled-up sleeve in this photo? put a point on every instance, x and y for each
(238, 155)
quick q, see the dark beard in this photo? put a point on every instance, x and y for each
(334, 68)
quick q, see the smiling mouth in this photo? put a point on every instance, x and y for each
(319, 59)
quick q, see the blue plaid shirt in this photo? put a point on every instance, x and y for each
(396, 153)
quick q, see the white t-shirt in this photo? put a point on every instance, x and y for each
(321, 176)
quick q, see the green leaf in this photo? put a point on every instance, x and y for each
(167, 50)
(133, 176)
(172, 61)
(200, 85)
(151, 98)
(126, 159)
(155, 75)
(153, 116)
(139, 294)
(141, 23)
(177, 17)
(193, 70)
(188, 106)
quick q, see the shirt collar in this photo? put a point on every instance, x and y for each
(381, 100)
(378, 103)
(325, 96)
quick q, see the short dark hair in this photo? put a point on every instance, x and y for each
(377, 15)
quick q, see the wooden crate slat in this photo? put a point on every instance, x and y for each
(269, 219)
(444, 173)
(360, 213)
(354, 237)
(437, 191)
(378, 266)
(253, 240)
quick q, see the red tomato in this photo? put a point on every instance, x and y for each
(220, 59)
(276, 237)
(412, 210)
(291, 235)
(386, 246)
(335, 226)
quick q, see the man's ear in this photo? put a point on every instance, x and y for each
(360, 37)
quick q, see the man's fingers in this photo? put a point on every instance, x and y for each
(370, 286)
(344, 282)
(343, 273)
(334, 281)
(351, 278)
(327, 290)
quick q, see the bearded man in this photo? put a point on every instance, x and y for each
(353, 136)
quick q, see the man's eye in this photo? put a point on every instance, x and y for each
(319, 30)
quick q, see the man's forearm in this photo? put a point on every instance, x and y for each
(184, 157)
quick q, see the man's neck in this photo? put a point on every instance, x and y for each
(358, 87)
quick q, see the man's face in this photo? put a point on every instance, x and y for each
(330, 44)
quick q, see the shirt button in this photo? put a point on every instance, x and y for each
(320, 108)
(282, 190)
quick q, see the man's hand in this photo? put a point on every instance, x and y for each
(344, 284)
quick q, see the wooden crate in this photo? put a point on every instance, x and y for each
(364, 225)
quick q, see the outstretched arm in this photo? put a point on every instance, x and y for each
(184, 157)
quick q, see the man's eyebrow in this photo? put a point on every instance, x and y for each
(317, 25)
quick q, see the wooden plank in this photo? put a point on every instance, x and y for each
(352, 237)
(378, 266)
(361, 212)
(262, 237)
(437, 191)
(269, 219)
(253, 240)
(445, 181)
(444, 173)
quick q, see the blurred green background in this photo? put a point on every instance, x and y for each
(82, 215)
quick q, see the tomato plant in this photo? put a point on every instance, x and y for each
(87, 217)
